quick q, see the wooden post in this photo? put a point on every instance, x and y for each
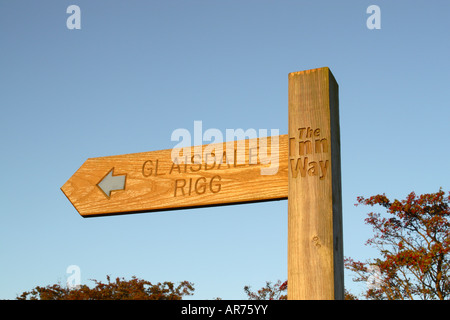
(315, 243)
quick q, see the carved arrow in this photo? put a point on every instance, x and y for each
(111, 183)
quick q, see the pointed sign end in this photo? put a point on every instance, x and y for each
(66, 189)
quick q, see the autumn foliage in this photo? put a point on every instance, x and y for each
(278, 291)
(120, 289)
(412, 237)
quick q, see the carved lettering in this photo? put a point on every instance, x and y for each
(150, 168)
(196, 162)
(300, 165)
(305, 152)
(175, 165)
(200, 185)
(304, 147)
(147, 168)
(197, 186)
(179, 184)
(193, 175)
(321, 145)
(215, 187)
(323, 169)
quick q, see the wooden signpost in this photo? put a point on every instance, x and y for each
(307, 173)
(151, 181)
(315, 250)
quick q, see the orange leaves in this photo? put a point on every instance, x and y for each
(268, 292)
(120, 289)
(413, 239)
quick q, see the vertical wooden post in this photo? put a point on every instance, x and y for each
(315, 243)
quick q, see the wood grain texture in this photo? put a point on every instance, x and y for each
(154, 182)
(315, 254)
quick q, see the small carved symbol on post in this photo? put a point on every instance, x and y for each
(316, 241)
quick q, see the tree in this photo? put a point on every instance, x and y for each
(278, 291)
(269, 292)
(413, 240)
(121, 289)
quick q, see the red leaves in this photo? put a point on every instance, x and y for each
(413, 238)
(121, 289)
(283, 286)
(377, 199)
(269, 292)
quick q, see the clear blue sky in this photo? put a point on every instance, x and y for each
(137, 70)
